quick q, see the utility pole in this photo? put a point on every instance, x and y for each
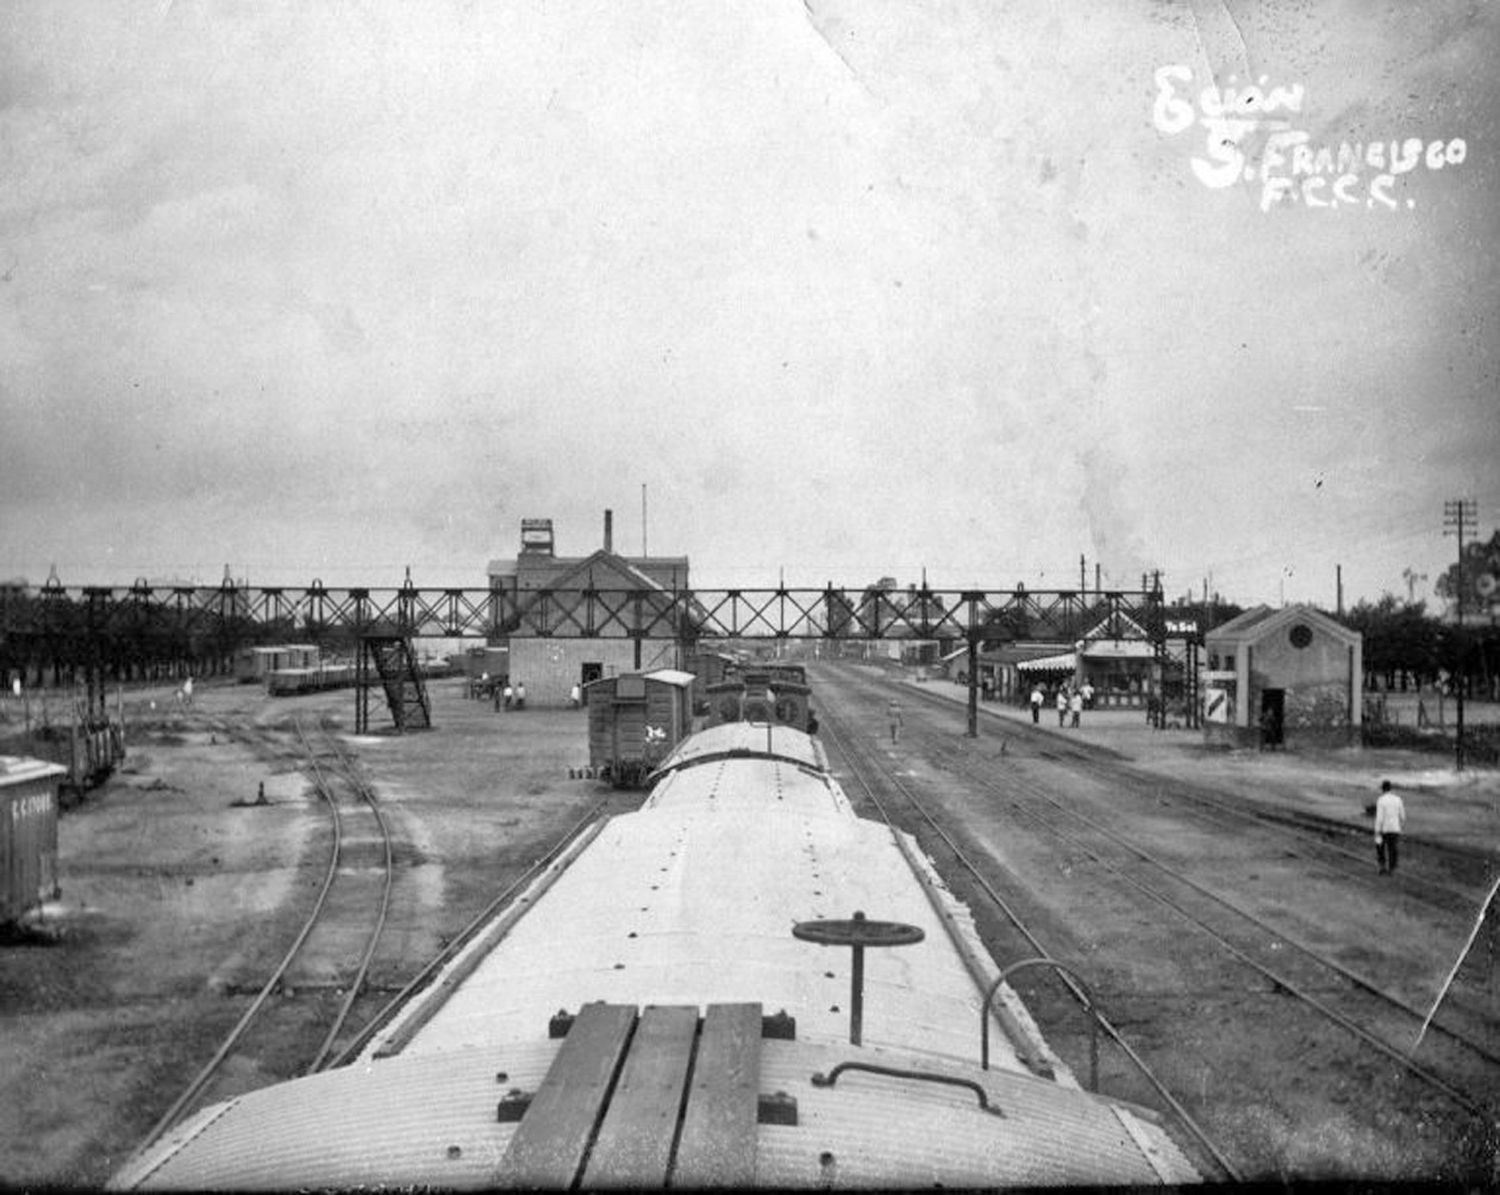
(1456, 514)
(1338, 582)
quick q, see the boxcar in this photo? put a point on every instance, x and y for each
(28, 834)
(708, 668)
(635, 720)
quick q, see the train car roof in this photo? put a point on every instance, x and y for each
(666, 676)
(21, 769)
(431, 1121)
(673, 676)
(735, 739)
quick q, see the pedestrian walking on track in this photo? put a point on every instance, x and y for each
(1390, 816)
(893, 716)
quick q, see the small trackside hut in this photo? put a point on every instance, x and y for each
(28, 835)
(635, 720)
(1285, 677)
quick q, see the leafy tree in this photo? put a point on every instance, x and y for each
(1402, 643)
(1480, 557)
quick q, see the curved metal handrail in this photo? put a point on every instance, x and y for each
(1088, 1004)
(828, 1080)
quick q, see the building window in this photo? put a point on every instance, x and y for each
(1301, 635)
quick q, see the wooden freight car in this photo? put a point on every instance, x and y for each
(28, 835)
(635, 720)
(708, 668)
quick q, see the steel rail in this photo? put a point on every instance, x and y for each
(1182, 1114)
(1403, 1057)
(1099, 769)
(1461, 1098)
(356, 985)
(1290, 823)
(195, 1088)
(462, 939)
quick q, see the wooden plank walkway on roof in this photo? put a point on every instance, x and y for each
(718, 1143)
(634, 1147)
(549, 1144)
(617, 1101)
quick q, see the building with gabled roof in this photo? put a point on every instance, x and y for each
(562, 637)
(1283, 677)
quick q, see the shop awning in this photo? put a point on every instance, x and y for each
(1063, 663)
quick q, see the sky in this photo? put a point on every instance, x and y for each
(806, 292)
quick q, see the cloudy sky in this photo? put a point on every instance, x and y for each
(853, 289)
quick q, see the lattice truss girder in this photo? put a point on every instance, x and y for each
(166, 617)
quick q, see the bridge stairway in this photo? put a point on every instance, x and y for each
(391, 663)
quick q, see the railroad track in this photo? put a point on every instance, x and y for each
(1252, 939)
(860, 765)
(1468, 1018)
(1379, 1020)
(346, 884)
(503, 904)
(1458, 876)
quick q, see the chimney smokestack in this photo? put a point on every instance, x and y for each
(609, 531)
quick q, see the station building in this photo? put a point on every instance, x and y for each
(1282, 678)
(549, 591)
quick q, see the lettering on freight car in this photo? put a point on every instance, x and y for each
(29, 808)
(1249, 137)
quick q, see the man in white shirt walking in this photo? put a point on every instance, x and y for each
(1390, 815)
(893, 716)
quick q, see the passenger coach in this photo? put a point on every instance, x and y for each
(740, 984)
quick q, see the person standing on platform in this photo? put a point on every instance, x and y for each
(520, 695)
(1075, 706)
(893, 716)
(575, 697)
(1036, 704)
(1390, 816)
(509, 695)
(1062, 705)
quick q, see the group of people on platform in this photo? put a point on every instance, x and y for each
(509, 696)
(1070, 702)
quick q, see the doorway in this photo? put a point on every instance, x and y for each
(587, 673)
(1272, 718)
